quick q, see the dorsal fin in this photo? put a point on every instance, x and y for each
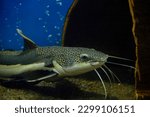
(28, 43)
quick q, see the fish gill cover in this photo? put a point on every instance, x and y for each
(41, 20)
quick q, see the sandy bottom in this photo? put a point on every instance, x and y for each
(87, 86)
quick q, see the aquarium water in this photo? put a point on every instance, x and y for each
(40, 20)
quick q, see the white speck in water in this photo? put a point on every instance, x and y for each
(57, 27)
(20, 4)
(61, 17)
(47, 13)
(40, 19)
(9, 41)
(47, 6)
(50, 35)
(59, 3)
(44, 26)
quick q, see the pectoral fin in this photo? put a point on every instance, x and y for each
(31, 77)
(42, 78)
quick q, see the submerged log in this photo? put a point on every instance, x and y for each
(141, 30)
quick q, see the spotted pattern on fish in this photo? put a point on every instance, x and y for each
(67, 56)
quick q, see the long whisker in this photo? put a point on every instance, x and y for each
(113, 77)
(120, 58)
(106, 75)
(112, 73)
(102, 83)
(121, 65)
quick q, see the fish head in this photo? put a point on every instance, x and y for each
(76, 60)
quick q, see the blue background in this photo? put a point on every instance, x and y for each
(40, 20)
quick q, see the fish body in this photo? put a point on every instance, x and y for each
(57, 60)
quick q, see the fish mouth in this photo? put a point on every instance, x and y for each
(96, 63)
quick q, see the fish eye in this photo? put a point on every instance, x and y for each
(84, 56)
